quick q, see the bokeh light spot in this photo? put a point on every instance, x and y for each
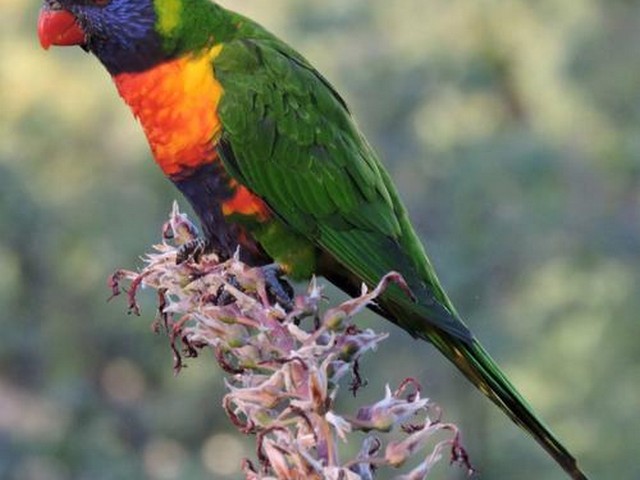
(222, 454)
(123, 381)
(164, 459)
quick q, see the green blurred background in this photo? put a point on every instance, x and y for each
(512, 130)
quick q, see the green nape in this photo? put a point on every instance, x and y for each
(187, 26)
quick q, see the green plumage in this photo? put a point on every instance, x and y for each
(289, 137)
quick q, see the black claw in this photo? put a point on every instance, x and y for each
(223, 297)
(277, 288)
(193, 249)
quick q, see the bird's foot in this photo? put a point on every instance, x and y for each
(193, 249)
(278, 289)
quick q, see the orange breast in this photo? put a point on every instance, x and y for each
(243, 202)
(176, 103)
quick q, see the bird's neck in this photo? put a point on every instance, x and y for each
(160, 31)
(176, 103)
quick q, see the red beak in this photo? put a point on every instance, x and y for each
(59, 27)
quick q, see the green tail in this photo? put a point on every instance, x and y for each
(432, 317)
(476, 364)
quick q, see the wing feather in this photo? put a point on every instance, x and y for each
(289, 138)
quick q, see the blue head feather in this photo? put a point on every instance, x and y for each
(121, 33)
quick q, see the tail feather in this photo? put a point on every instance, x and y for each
(476, 364)
(429, 314)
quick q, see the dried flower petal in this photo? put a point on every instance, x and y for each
(284, 368)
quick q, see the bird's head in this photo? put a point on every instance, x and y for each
(126, 35)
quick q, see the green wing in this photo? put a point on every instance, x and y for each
(290, 139)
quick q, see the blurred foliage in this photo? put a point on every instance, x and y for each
(511, 128)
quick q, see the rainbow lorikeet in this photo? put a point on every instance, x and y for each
(270, 158)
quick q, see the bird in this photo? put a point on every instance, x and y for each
(270, 157)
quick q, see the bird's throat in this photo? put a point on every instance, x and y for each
(176, 103)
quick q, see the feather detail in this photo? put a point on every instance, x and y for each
(176, 103)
